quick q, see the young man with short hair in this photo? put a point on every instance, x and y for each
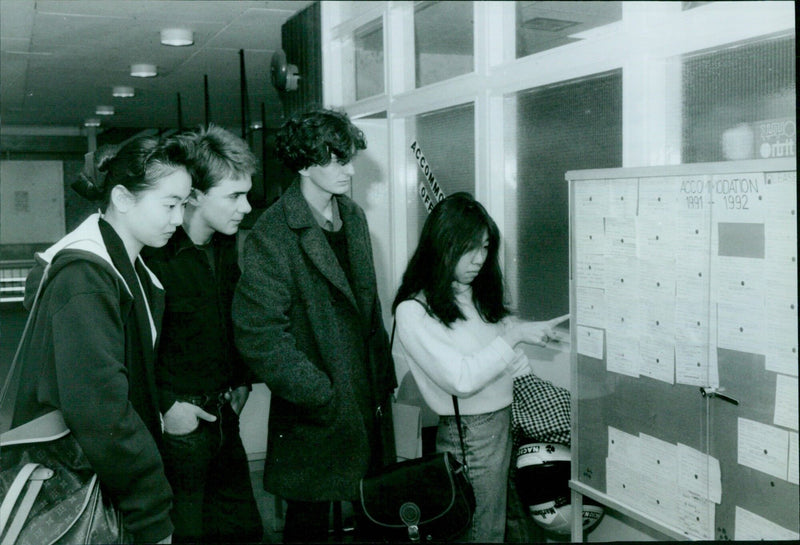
(202, 381)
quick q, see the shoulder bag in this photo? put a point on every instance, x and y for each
(50, 494)
(424, 499)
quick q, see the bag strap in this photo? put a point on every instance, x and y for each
(13, 493)
(30, 473)
(8, 395)
(460, 434)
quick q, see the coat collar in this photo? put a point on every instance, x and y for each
(313, 242)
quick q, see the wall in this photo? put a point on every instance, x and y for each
(301, 39)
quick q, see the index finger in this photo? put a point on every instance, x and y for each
(555, 321)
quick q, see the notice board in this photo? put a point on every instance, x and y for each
(31, 202)
(683, 296)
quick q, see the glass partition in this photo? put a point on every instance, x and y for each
(443, 41)
(550, 130)
(545, 25)
(369, 60)
(444, 152)
(740, 103)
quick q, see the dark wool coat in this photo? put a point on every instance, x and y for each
(79, 360)
(302, 329)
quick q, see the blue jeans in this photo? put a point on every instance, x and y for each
(487, 441)
(210, 478)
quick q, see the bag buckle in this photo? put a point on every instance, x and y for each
(410, 515)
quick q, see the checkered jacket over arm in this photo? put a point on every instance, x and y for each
(540, 411)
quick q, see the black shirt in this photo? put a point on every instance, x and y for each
(196, 353)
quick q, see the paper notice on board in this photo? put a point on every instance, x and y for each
(624, 447)
(741, 328)
(764, 448)
(699, 473)
(621, 481)
(591, 307)
(590, 271)
(781, 300)
(657, 281)
(691, 364)
(659, 197)
(741, 281)
(622, 354)
(780, 199)
(623, 197)
(696, 515)
(786, 402)
(658, 316)
(793, 459)
(657, 358)
(591, 198)
(590, 342)
(780, 274)
(589, 235)
(622, 278)
(782, 346)
(655, 238)
(752, 527)
(620, 237)
(624, 313)
(657, 499)
(692, 280)
(658, 458)
(691, 321)
(780, 245)
(694, 232)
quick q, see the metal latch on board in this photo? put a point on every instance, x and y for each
(712, 391)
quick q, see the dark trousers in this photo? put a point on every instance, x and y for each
(306, 521)
(210, 478)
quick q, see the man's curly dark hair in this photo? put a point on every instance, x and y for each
(312, 137)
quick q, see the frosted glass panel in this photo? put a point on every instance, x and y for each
(446, 140)
(443, 41)
(545, 25)
(549, 131)
(739, 103)
(369, 60)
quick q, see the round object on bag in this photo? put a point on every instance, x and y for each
(542, 481)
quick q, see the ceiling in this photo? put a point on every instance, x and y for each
(60, 59)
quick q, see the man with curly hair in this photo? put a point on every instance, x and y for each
(308, 323)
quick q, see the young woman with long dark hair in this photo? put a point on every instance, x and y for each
(458, 337)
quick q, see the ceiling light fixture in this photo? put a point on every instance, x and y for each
(143, 70)
(91, 122)
(104, 110)
(122, 91)
(177, 36)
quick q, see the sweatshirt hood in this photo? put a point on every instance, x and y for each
(87, 237)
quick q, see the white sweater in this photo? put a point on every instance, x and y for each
(468, 359)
